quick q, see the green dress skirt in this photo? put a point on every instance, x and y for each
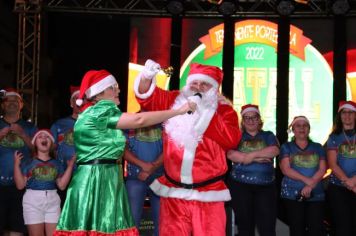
(97, 202)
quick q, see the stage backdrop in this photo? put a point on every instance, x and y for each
(310, 73)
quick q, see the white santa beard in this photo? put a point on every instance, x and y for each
(187, 130)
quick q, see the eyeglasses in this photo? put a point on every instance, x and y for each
(250, 118)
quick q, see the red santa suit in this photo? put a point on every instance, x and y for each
(194, 157)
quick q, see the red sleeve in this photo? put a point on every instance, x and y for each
(159, 100)
(224, 127)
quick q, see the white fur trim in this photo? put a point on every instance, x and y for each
(301, 118)
(73, 94)
(100, 86)
(40, 132)
(347, 106)
(79, 102)
(150, 90)
(190, 194)
(12, 94)
(187, 164)
(250, 109)
(203, 77)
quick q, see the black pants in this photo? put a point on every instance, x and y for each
(305, 218)
(342, 203)
(11, 216)
(254, 205)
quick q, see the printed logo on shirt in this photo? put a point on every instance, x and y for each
(148, 134)
(44, 173)
(68, 137)
(348, 150)
(251, 145)
(12, 140)
(305, 160)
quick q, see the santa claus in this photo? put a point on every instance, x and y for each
(192, 189)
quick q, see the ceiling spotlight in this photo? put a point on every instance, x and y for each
(227, 7)
(340, 7)
(285, 7)
(175, 7)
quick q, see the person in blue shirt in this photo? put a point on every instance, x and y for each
(252, 178)
(15, 135)
(144, 144)
(41, 176)
(341, 155)
(303, 164)
(62, 131)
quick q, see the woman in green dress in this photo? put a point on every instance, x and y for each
(97, 202)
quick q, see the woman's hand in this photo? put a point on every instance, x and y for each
(147, 167)
(349, 183)
(189, 106)
(306, 191)
(263, 160)
(143, 175)
(17, 158)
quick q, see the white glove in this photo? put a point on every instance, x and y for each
(196, 99)
(151, 69)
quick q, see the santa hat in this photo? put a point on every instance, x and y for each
(347, 105)
(93, 83)
(295, 120)
(210, 74)
(248, 108)
(74, 90)
(42, 131)
(12, 92)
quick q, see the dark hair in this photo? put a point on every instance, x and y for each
(338, 126)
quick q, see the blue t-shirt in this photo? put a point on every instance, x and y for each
(346, 154)
(62, 131)
(42, 175)
(255, 173)
(306, 162)
(8, 145)
(146, 144)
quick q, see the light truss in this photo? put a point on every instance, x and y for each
(28, 57)
(193, 8)
(30, 25)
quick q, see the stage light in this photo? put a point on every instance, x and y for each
(227, 7)
(340, 7)
(175, 7)
(285, 7)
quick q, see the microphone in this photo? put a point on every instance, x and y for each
(198, 96)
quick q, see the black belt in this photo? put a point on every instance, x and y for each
(195, 185)
(98, 161)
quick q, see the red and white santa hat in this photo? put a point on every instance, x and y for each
(210, 74)
(93, 83)
(42, 131)
(12, 92)
(347, 105)
(248, 108)
(74, 90)
(295, 120)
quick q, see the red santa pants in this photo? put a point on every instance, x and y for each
(185, 218)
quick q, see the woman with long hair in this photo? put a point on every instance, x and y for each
(341, 155)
